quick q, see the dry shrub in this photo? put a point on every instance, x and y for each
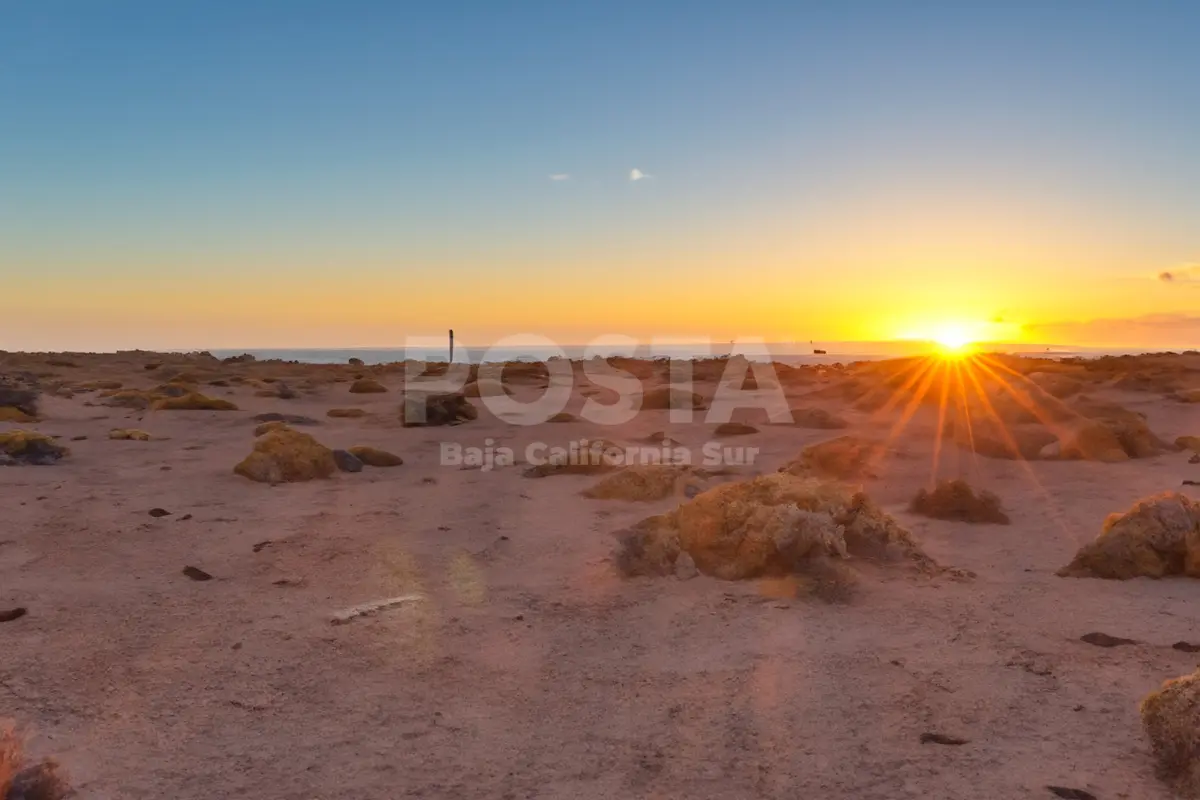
(817, 418)
(192, 402)
(22, 781)
(831, 580)
(374, 457)
(665, 397)
(648, 549)
(1171, 717)
(367, 386)
(31, 447)
(844, 458)
(734, 429)
(484, 388)
(129, 434)
(440, 409)
(347, 413)
(644, 483)
(956, 500)
(990, 438)
(128, 398)
(1159, 536)
(776, 524)
(11, 414)
(286, 455)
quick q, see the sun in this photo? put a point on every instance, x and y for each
(952, 341)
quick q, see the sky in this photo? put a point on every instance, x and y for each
(304, 173)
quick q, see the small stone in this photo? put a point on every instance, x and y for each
(266, 543)
(1186, 647)
(13, 614)
(347, 461)
(1104, 640)
(159, 512)
(941, 738)
(685, 567)
(1068, 793)
(78, 438)
(196, 574)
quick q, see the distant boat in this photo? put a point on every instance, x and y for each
(818, 352)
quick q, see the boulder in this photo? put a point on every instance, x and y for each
(367, 386)
(956, 500)
(347, 462)
(1171, 718)
(1159, 536)
(374, 457)
(286, 456)
(30, 447)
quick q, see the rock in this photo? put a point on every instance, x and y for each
(373, 457)
(40, 781)
(31, 448)
(128, 398)
(1186, 647)
(348, 413)
(956, 500)
(665, 397)
(1188, 443)
(287, 456)
(734, 429)
(355, 362)
(274, 425)
(587, 457)
(484, 388)
(193, 401)
(1056, 384)
(129, 434)
(346, 461)
(284, 392)
(290, 419)
(647, 549)
(844, 458)
(1068, 793)
(1104, 640)
(196, 574)
(79, 438)
(438, 409)
(563, 416)
(1171, 718)
(644, 484)
(367, 386)
(1159, 536)
(941, 738)
(159, 512)
(13, 614)
(21, 400)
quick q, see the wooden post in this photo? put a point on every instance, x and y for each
(452, 345)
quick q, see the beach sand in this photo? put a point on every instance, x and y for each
(521, 664)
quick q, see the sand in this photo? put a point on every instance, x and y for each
(519, 664)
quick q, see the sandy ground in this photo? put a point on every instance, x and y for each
(530, 669)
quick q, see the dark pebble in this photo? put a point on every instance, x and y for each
(196, 574)
(347, 461)
(1071, 794)
(1104, 640)
(941, 738)
(159, 512)
(12, 613)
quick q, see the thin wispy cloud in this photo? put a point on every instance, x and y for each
(1185, 274)
(636, 174)
(560, 176)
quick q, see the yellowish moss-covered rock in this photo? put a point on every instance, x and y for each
(367, 386)
(129, 434)
(274, 425)
(664, 397)
(91, 386)
(11, 414)
(1159, 536)
(484, 388)
(347, 413)
(817, 418)
(285, 455)
(374, 457)
(844, 458)
(30, 447)
(1092, 441)
(192, 402)
(128, 398)
(646, 483)
(1188, 443)
(1171, 718)
(779, 524)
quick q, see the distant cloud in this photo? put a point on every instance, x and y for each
(560, 176)
(636, 174)
(1185, 274)
(1161, 331)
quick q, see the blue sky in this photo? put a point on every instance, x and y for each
(149, 144)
